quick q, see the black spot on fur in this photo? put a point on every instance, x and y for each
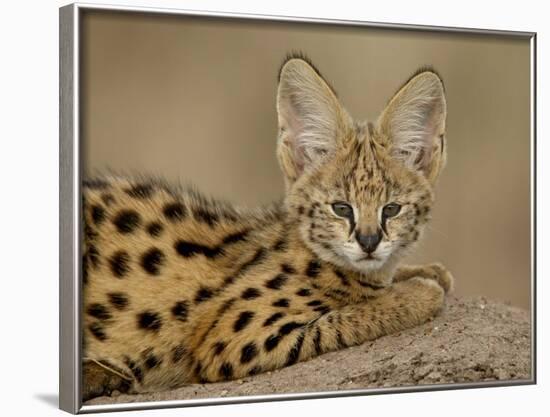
(180, 310)
(294, 353)
(205, 216)
(282, 302)
(226, 306)
(280, 245)
(198, 370)
(178, 352)
(273, 318)
(248, 352)
(135, 369)
(313, 268)
(322, 309)
(138, 373)
(326, 245)
(174, 211)
(140, 191)
(343, 279)
(277, 282)
(254, 371)
(152, 260)
(271, 342)
(258, 257)
(97, 330)
(119, 263)
(289, 327)
(93, 256)
(251, 293)
(189, 249)
(107, 199)
(287, 269)
(98, 214)
(118, 300)
(304, 292)
(235, 237)
(99, 311)
(337, 294)
(340, 340)
(155, 229)
(90, 233)
(203, 294)
(243, 320)
(149, 320)
(95, 184)
(315, 303)
(126, 221)
(317, 341)
(85, 269)
(219, 347)
(152, 361)
(371, 286)
(226, 370)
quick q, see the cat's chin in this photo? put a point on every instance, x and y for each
(366, 266)
(363, 265)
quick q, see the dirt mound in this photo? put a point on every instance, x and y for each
(471, 340)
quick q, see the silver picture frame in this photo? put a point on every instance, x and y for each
(70, 291)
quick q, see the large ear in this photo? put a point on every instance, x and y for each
(414, 122)
(310, 118)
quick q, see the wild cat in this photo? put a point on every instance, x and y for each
(179, 288)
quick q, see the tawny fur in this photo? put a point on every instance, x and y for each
(179, 288)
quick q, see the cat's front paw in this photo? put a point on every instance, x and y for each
(434, 271)
(440, 274)
(420, 298)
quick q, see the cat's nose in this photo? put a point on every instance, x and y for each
(369, 242)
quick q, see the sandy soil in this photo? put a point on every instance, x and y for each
(471, 340)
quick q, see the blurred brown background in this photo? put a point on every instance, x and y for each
(193, 99)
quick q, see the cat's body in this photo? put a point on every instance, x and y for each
(180, 289)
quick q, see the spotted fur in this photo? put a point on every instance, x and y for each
(179, 288)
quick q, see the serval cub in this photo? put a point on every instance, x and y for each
(181, 289)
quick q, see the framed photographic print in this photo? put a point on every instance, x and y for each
(260, 208)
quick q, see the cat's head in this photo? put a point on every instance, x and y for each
(361, 192)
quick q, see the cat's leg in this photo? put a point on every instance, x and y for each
(434, 271)
(298, 337)
(100, 378)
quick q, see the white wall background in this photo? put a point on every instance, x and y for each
(29, 209)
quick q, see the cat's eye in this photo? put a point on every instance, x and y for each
(391, 210)
(342, 210)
